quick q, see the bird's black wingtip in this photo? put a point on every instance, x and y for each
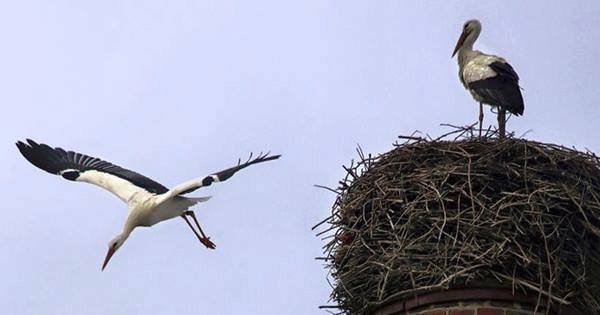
(269, 158)
(22, 146)
(518, 111)
(27, 143)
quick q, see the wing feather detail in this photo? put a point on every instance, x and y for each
(220, 176)
(80, 167)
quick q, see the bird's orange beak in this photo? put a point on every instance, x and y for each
(111, 252)
(460, 42)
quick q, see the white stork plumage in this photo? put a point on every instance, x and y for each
(489, 79)
(149, 202)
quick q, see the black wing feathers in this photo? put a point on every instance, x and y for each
(501, 90)
(225, 174)
(57, 161)
(504, 69)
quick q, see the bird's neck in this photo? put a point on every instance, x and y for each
(130, 223)
(135, 217)
(464, 54)
(466, 47)
(126, 231)
(466, 50)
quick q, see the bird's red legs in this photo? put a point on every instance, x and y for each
(203, 239)
(207, 241)
(501, 122)
(191, 227)
(480, 118)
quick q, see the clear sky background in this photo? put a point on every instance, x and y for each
(178, 89)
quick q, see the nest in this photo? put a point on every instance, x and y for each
(438, 214)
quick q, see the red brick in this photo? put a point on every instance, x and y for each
(461, 312)
(490, 311)
(434, 312)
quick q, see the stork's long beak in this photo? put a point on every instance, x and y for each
(460, 42)
(111, 252)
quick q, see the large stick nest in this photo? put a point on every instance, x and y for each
(437, 214)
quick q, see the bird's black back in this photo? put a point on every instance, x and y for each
(501, 90)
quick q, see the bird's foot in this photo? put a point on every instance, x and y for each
(207, 242)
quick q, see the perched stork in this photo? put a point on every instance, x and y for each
(149, 202)
(490, 79)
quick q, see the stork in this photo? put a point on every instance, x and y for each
(489, 79)
(148, 201)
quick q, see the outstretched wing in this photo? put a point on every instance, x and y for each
(199, 182)
(83, 168)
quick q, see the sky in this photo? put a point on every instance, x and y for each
(179, 89)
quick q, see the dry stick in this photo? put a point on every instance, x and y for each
(548, 255)
(536, 289)
(469, 181)
(327, 188)
(323, 221)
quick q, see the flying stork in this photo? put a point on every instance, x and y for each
(490, 79)
(149, 202)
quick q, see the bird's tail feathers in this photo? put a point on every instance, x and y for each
(195, 200)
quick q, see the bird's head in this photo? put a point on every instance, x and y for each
(470, 32)
(113, 246)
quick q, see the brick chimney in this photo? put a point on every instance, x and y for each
(471, 301)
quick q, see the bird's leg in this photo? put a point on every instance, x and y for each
(204, 240)
(501, 122)
(191, 227)
(480, 118)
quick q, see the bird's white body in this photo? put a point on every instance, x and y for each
(145, 208)
(473, 65)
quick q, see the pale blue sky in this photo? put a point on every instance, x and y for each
(177, 89)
